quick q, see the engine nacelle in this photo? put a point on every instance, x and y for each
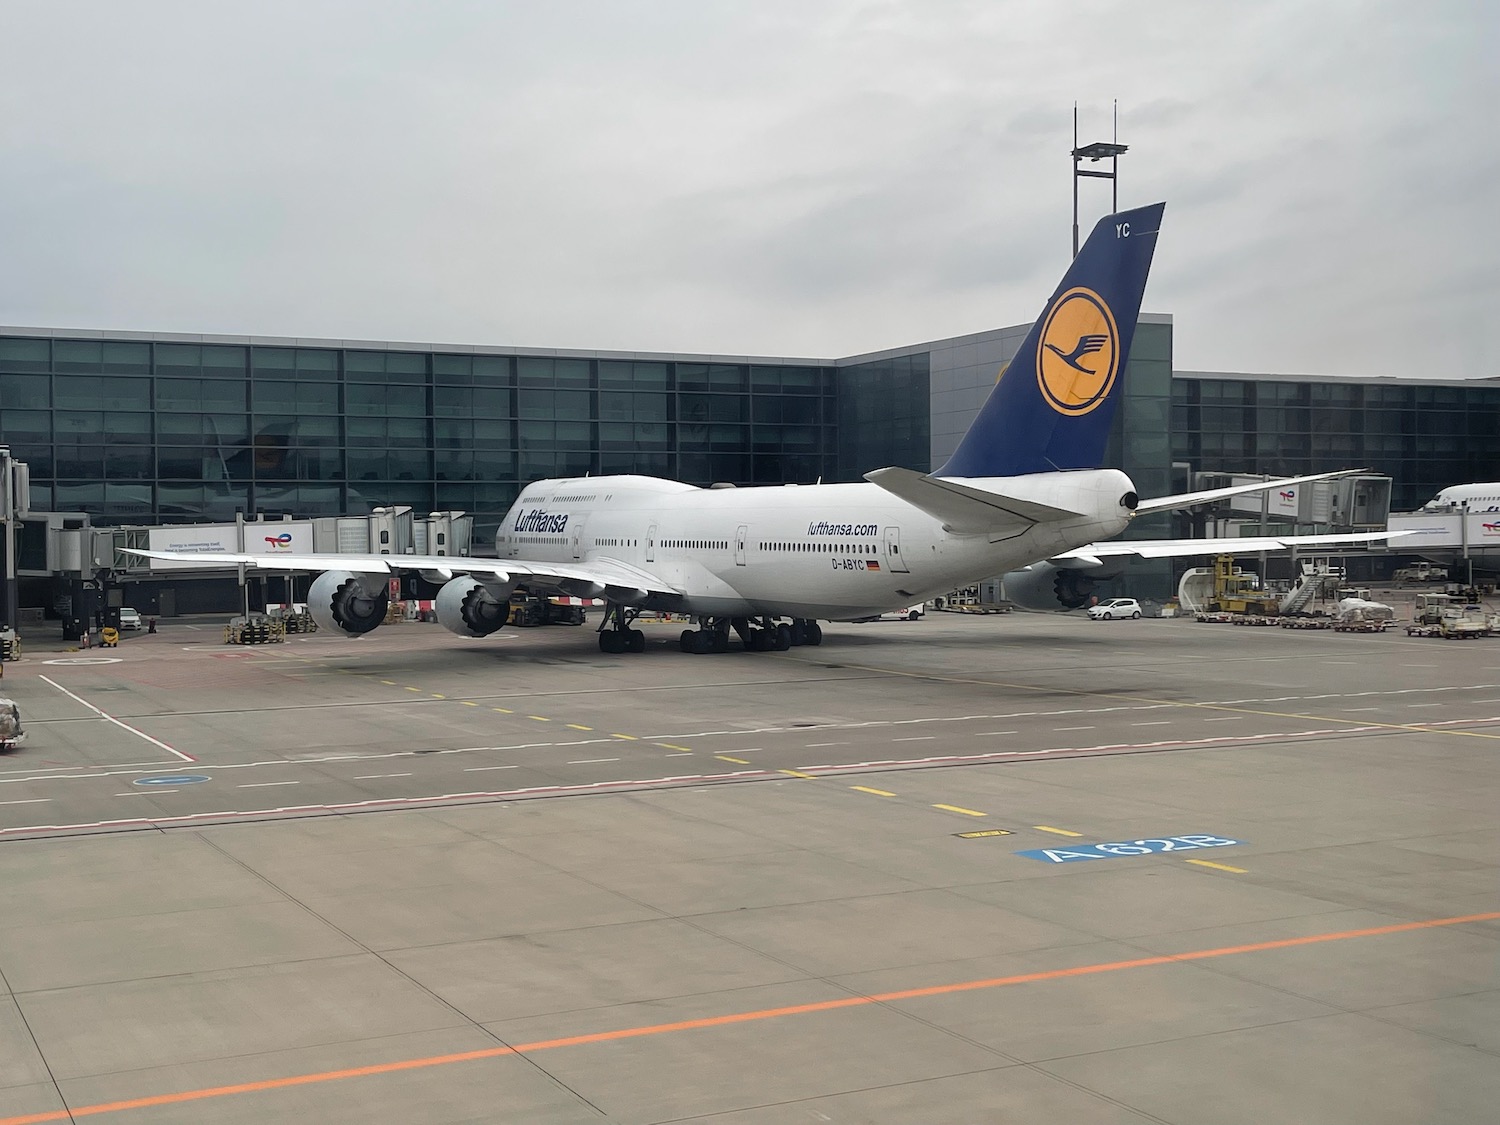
(472, 608)
(351, 604)
(1048, 587)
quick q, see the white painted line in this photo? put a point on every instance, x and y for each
(1072, 728)
(122, 726)
(147, 792)
(917, 738)
(1224, 719)
(1424, 704)
(1154, 723)
(592, 761)
(481, 769)
(816, 745)
(370, 776)
(989, 733)
(1351, 709)
(32, 801)
(266, 784)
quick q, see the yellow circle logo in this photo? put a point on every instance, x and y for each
(1079, 355)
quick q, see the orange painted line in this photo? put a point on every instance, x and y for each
(733, 1018)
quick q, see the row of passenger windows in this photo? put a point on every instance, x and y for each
(821, 548)
(697, 544)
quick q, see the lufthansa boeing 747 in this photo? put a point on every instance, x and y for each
(1023, 490)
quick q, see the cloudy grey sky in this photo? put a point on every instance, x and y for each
(765, 177)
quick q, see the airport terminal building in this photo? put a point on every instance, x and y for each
(146, 428)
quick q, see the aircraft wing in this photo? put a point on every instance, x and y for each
(1188, 499)
(597, 575)
(1229, 545)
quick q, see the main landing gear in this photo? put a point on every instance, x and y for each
(615, 631)
(760, 634)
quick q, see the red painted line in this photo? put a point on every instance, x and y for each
(731, 1018)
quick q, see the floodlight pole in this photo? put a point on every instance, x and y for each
(1094, 153)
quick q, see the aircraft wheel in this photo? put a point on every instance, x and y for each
(781, 640)
(799, 633)
(688, 642)
(814, 633)
(611, 642)
(718, 640)
(635, 640)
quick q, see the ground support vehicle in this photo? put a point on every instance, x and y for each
(1362, 626)
(1441, 615)
(10, 644)
(1306, 623)
(294, 618)
(109, 637)
(254, 629)
(528, 609)
(1420, 572)
(11, 734)
(1455, 627)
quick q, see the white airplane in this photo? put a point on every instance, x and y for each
(1021, 490)
(1475, 497)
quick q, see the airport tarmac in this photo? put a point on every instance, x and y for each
(1015, 868)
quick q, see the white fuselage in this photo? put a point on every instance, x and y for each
(830, 552)
(1475, 497)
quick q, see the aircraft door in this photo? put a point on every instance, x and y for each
(893, 559)
(741, 533)
(651, 543)
(578, 536)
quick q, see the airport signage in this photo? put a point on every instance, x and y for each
(280, 538)
(1079, 852)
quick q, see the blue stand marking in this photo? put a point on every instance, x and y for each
(172, 779)
(1075, 853)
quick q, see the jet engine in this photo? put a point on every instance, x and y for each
(472, 608)
(1044, 586)
(351, 604)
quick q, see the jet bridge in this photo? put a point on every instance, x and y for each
(83, 574)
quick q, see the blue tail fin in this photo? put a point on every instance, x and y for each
(1053, 406)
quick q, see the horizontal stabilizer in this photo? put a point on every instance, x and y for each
(962, 507)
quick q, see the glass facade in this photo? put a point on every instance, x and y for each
(1425, 436)
(884, 415)
(164, 430)
(158, 431)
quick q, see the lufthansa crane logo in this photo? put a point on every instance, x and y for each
(1079, 353)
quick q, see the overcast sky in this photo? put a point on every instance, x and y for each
(805, 178)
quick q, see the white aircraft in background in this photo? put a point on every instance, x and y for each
(1478, 498)
(1022, 490)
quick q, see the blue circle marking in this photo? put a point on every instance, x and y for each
(172, 779)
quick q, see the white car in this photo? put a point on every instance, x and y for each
(130, 618)
(1115, 607)
(910, 613)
